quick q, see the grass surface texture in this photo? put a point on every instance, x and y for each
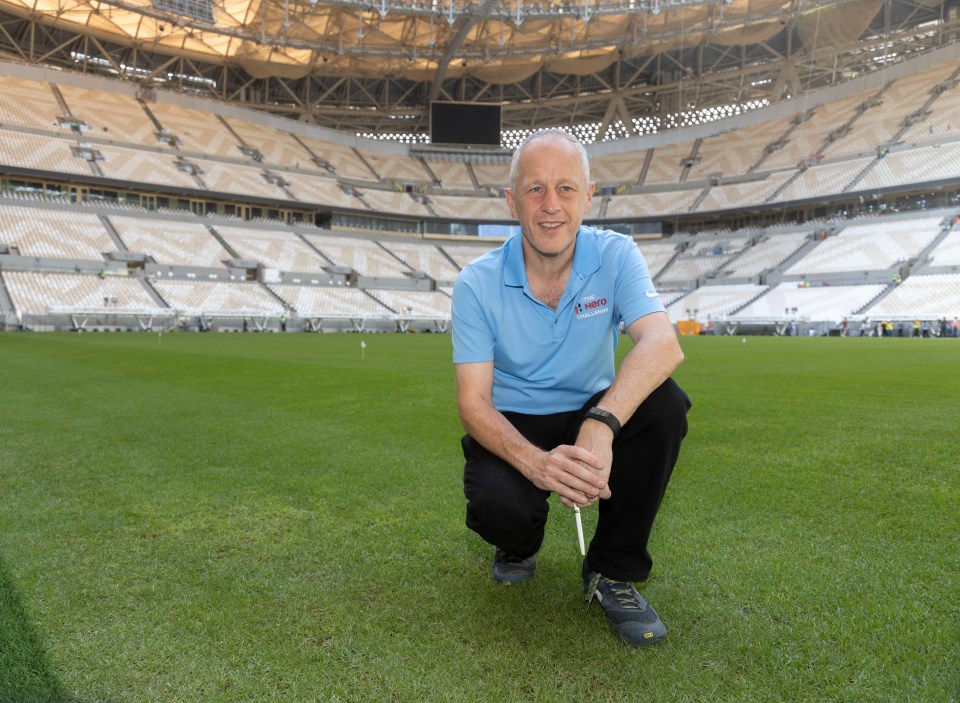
(280, 517)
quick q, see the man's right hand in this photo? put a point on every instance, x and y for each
(574, 474)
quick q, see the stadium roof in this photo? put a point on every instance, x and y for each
(374, 66)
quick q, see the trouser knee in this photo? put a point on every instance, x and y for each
(503, 507)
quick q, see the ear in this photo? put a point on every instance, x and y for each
(592, 186)
(509, 195)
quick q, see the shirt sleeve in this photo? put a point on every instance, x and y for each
(473, 337)
(635, 293)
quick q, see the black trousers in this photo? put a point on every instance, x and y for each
(509, 512)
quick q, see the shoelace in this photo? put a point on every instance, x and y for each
(622, 592)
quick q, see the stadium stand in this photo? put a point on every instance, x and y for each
(216, 298)
(452, 175)
(267, 144)
(171, 242)
(458, 207)
(928, 297)
(330, 303)
(55, 154)
(947, 252)
(143, 166)
(713, 301)
(54, 233)
(870, 247)
(36, 293)
(810, 303)
(657, 255)
(111, 115)
(366, 257)
(899, 134)
(767, 253)
(279, 250)
(195, 131)
(28, 103)
(427, 258)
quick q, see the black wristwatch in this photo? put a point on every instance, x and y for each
(604, 416)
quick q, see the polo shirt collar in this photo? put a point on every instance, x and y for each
(586, 258)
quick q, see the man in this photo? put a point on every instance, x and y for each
(535, 327)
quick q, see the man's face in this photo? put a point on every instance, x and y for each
(550, 196)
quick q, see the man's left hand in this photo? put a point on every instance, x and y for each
(597, 439)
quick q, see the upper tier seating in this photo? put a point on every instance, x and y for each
(111, 115)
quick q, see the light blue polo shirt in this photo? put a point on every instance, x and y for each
(548, 361)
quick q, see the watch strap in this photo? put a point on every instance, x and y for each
(606, 417)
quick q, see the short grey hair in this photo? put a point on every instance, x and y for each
(543, 134)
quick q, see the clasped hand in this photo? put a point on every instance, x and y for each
(577, 475)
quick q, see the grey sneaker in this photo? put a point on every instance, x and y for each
(510, 569)
(632, 619)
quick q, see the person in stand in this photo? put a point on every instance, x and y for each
(535, 327)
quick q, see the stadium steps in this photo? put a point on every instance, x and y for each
(273, 294)
(223, 242)
(779, 143)
(801, 251)
(153, 293)
(154, 120)
(923, 257)
(666, 267)
(876, 299)
(862, 173)
(111, 230)
(317, 161)
(428, 205)
(398, 258)
(783, 186)
(689, 162)
(245, 148)
(366, 163)
(448, 258)
(924, 111)
(647, 160)
(377, 300)
(426, 167)
(7, 311)
(315, 248)
(473, 176)
(700, 198)
(604, 201)
(752, 300)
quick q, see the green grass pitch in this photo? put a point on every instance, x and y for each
(272, 517)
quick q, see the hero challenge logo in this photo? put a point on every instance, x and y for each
(590, 306)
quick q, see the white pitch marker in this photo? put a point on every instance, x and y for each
(576, 514)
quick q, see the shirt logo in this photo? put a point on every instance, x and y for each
(590, 306)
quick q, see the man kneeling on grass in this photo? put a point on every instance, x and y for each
(535, 327)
